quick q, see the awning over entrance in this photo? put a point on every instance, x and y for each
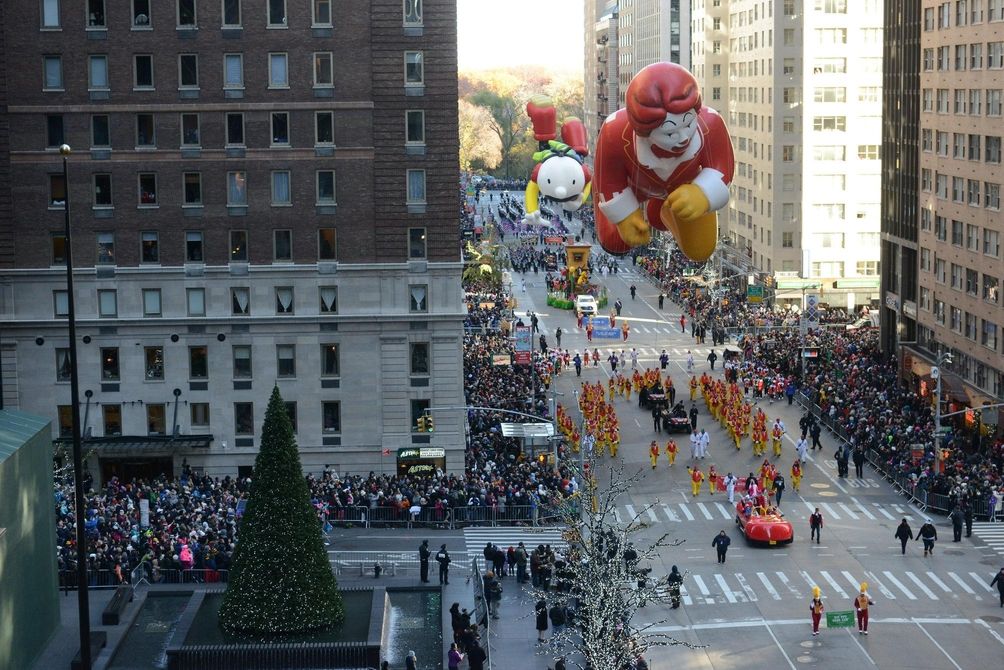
(141, 445)
(527, 430)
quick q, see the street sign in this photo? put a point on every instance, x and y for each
(844, 619)
(811, 316)
(754, 293)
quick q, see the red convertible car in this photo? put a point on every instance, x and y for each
(767, 529)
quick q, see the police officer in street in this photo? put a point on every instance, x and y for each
(423, 561)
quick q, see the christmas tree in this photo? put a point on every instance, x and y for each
(280, 580)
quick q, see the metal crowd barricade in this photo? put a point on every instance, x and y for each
(348, 516)
(387, 516)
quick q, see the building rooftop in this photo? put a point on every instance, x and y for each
(16, 428)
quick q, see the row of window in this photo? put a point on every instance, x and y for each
(148, 194)
(963, 101)
(186, 13)
(156, 418)
(961, 278)
(972, 240)
(963, 146)
(969, 325)
(963, 191)
(98, 71)
(240, 301)
(967, 12)
(962, 57)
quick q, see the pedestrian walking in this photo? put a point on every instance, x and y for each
(671, 450)
(712, 357)
(675, 580)
(903, 534)
(541, 609)
(815, 525)
(578, 365)
(778, 488)
(705, 442)
(859, 462)
(557, 336)
(721, 544)
(662, 299)
(730, 487)
(998, 580)
(558, 616)
(410, 661)
(956, 517)
(618, 305)
(815, 432)
(443, 558)
(633, 290)
(663, 360)
(423, 561)
(454, 658)
(653, 452)
(683, 323)
(802, 446)
(690, 362)
(929, 534)
(861, 604)
(693, 417)
(476, 656)
(493, 593)
(695, 443)
(696, 479)
(816, 610)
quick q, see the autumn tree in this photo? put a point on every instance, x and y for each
(480, 149)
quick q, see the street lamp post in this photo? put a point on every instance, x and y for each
(942, 359)
(83, 607)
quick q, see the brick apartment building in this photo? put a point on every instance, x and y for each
(261, 192)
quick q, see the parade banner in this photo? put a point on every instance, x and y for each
(524, 345)
(843, 619)
(606, 333)
(501, 359)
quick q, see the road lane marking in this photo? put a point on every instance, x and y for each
(617, 517)
(746, 587)
(920, 585)
(832, 582)
(854, 583)
(783, 652)
(847, 509)
(787, 584)
(726, 513)
(704, 590)
(857, 642)
(829, 510)
(935, 643)
(942, 585)
(884, 513)
(670, 513)
(651, 513)
(756, 623)
(875, 582)
(725, 589)
(687, 600)
(686, 512)
(979, 580)
(704, 509)
(863, 509)
(990, 630)
(767, 585)
(812, 508)
(808, 580)
(965, 587)
(899, 585)
(631, 513)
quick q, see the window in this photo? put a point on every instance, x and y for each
(100, 131)
(193, 247)
(829, 94)
(991, 195)
(240, 301)
(822, 123)
(824, 152)
(243, 418)
(284, 300)
(925, 180)
(989, 334)
(285, 360)
(323, 71)
(200, 415)
(991, 242)
(831, 6)
(995, 55)
(280, 128)
(65, 417)
(188, 71)
(198, 362)
(143, 71)
(186, 14)
(829, 212)
(416, 186)
(418, 294)
(153, 363)
(149, 247)
(972, 282)
(973, 142)
(151, 302)
(50, 14)
(787, 240)
(325, 187)
(147, 189)
(110, 364)
(291, 413)
(322, 13)
(975, 102)
(414, 72)
(60, 303)
(237, 189)
(233, 71)
(956, 274)
(62, 365)
(57, 191)
(196, 299)
(976, 56)
(276, 13)
(330, 364)
(324, 128)
(278, 71)
(416, 243)
(412, 12)
(414, 126)
(106, 248)
(190, 131)
(791, 96)
(242, 361)
(112, 415)
(788, 125)
(108, 303)
(928, 60)
(141, 14)
(973, 188)
(939, 311)
(958, 189)
(419, 358)
(994, 102)
(54, 130)
(992, 146)
(53, 72)
(331, 417)
(280, 189)
(831, 36)
(145, 131)
(282, 246)
(925, 259)
(868, 152)
(326, 247)
(870, 94)
(329, 299)
(970, 326)
(238, 246)
(991, 290)
(96, 14)
(231, 13)
(960, 101)
(192, 189)
(960, 57)
(419, 408)
(235, 129)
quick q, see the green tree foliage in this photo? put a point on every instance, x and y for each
(280, 580)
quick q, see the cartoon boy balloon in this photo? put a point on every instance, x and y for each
(664, 161)
(560, 173)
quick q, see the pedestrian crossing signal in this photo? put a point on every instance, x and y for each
(429, 426)
(421, 424)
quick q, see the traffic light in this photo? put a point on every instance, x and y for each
(429, 426)
(421, 424)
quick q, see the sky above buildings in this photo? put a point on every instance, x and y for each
(510, 33)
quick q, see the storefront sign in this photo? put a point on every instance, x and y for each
(411, 453)
(892, 301)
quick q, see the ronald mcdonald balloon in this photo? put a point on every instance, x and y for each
(665, 161)
(560, 173)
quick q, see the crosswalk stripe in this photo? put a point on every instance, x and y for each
(726, 512)
(812, 508)
(767, 585)
(965, 587)
(808, 580)
(847, 509)
(670, 513)
(787, 584)
(850, 578)
(704, 589)
(746, 588)
(704, 509)
(863, 509)
(687, 600)
(884, 513)
(875, 581)
(899, 509)
(934, 578)
(832, 582)
(617, 517)
(632, 515)
(686, 512)
(980, 581)
(725, 589)
(920, 585)
(829, 510)
(651, 514)
(898, 584)
(677, 352)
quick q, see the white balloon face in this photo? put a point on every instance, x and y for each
(675, 132)
(561, 178)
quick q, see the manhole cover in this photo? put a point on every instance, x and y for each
(809, 644)
(990, 561)
(805, 658)
(991, 619)
(954, 552)
(828, 494)
(820, 486)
